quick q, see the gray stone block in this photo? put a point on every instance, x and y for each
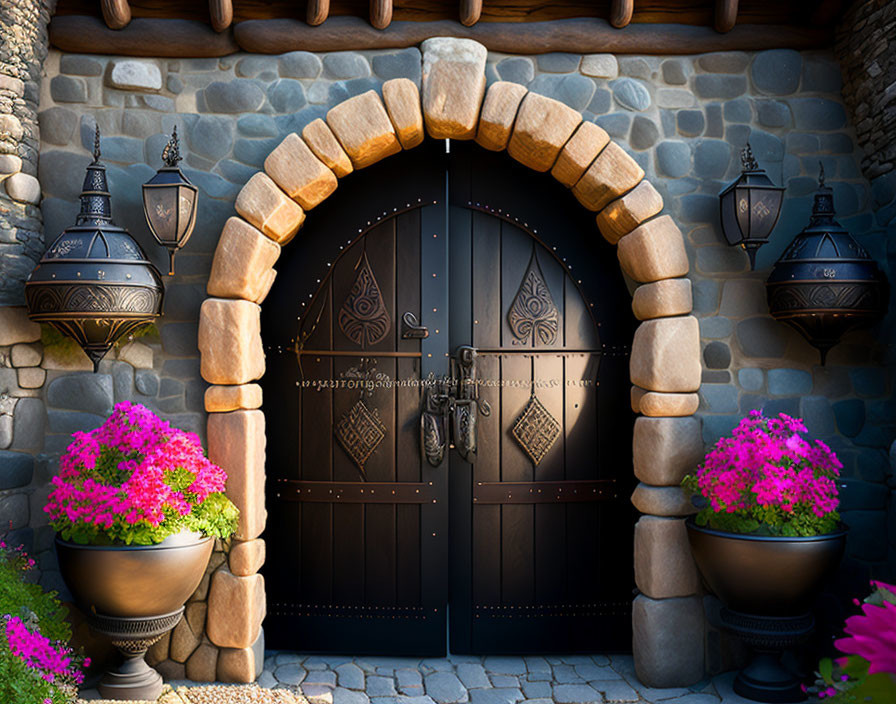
(617, 691)
(28, 424)
(297, 122)
(673, 158)
(257, 125)
(68, 422)
(821, 75)
(174, 84)
(668, 641)
(159, 103)
(818, 416)
(211, 136)
(254, 151)
(631, 94)
(615, 124)
(78, 65)
(761, 336)
(505, 665)
(496, 695)
(675, 72)
(777, 72)
(57, 125)
(65, 89)
(253, 65)
(644, 133)
(575, 694)
(16, 469)
(15, 511)
(714, 376)
(850, 415)
(635, 66)
(789, 382)
(817, 114)
(238, 95)
(766, 147)
(719, 86)
(558, 62)
(350, 676)
(715, 126)
(346, 64)
(739, 110)
(299, 64)
(699, 208)
(711, 158)
(717, 355)
(837, 144)
(724, 62)
(147, 382)
(139, 124)
(864, 539)
(407, 63)
(516, 69)
(718, 397)
(601, 102)
(743, 297)
(287, 95)
(751, 378)
(471, 674)
(236, 172)
(868, 381)
(378, 686)
(445, 688)
(356, 86)
(774, 113)
(690, 122)
(573, 90)
(88, 392)
(858, 495)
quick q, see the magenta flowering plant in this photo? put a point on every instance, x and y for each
(767, 478)
(137, 480)
(867, 673)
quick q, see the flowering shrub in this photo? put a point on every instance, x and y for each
(36, 663)
(135, 479)
(766, 478)
(868, 672)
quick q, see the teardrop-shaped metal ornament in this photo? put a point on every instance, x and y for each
(363, 316)
(533, 315)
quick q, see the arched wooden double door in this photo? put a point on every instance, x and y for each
(448, 426)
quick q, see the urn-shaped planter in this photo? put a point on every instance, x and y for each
(134, 594)
(767, 585)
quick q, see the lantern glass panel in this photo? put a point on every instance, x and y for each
(161, 205)
(730, 222)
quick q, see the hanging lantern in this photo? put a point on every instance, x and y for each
(169, 203)
(825, 283)
(94, 283)
(750, 207)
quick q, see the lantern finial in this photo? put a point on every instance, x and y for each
(748, 160)
(171, 152)
(820, 175)
(96, 145)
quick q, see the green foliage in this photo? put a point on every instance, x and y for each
(769, 520)
(851, 684)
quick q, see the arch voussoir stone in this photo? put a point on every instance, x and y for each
(545, 135)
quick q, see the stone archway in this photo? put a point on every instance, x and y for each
(665, 368)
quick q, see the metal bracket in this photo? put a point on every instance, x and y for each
(411, 328)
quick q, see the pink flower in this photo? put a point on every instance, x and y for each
(48, 660)
(872, 635)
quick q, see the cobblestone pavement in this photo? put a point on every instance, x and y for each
(576, 679)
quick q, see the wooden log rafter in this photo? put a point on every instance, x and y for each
(380, 13)
(726, 15)
(470, 11)
(621, 12)
(116, 13)
(189, 38)
(221, 14)
(318, 11)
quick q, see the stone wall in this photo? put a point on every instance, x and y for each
(683, 119)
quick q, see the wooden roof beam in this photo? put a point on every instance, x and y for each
(470, 11)
(116, 13)
(318, 11)
(221, 13)
(380, 13)
(621, 13)
(726, 15)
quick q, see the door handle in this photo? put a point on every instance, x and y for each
(411, 328)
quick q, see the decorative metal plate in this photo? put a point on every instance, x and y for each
(360, 432)
(536, 430)
(533, 314)
(363, 316)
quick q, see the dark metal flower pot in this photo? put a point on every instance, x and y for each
(767, 585)
(134, 594)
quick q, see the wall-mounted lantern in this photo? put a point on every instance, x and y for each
(750, 207)
(169, 203)
(94, 282)
(825, 283)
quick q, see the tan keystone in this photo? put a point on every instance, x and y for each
(246, 557)
(242, 258)
(664, 450)
(637, 394)
(236, 443)
(498, 113)
(666, 355)
(453, 86)
(659, 404)
(236, 608)
(653, 251)
(662, 299)
(611, 174)
(364, 129)
(321, 140)
(662, 500)
(402, 101)
(242, 664)
(624, 214)
(664, 566)
(264, 205)
(543, 125)
(220, 399)
(230, 341)
(15, 326)
(301, 175)
(581, 149)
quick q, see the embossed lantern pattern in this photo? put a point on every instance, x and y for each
(750, 207)
(825, 283)
(94, 282)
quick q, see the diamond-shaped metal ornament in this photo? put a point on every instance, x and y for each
(360, 432)
(536, 430)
